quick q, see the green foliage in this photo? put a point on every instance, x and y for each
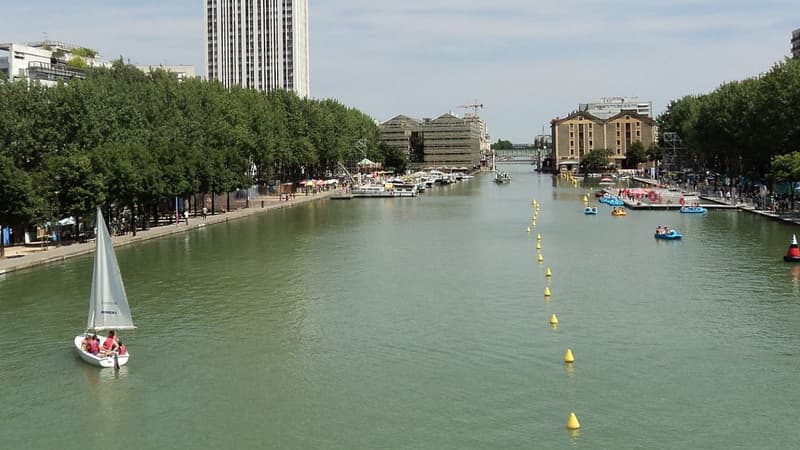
(635, 154)
(786, 167)
(394, 159)
(84, 52)
(122, 137)
(596, 160)
(502, 145)
(738, 128)
(77, 62)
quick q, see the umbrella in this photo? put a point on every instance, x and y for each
(67, 221)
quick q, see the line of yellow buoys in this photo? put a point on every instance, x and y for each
(572, 421)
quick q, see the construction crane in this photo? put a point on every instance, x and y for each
(473, 106)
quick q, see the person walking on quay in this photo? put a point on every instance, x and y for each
(205, 212)
(186, 216)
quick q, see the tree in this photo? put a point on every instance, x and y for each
(635, 154)
(393, 158)
(786, 168)
(502, 145)
(596, 160)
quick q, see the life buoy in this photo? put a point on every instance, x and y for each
(682, 201)
(652, 196)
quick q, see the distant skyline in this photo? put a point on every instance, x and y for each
(525, 61)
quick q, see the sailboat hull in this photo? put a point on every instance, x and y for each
(107, 361)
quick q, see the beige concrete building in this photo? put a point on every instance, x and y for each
(446, 141)
(579, 133)
(397, 131)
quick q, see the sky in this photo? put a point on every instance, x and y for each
(525, 61)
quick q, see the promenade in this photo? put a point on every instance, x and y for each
(21, 257)
(718, 202)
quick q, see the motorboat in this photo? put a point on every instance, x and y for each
(502, 177)
(618, 212)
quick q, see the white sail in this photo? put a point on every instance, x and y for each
(108, 304)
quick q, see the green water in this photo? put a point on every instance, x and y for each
(421, 323)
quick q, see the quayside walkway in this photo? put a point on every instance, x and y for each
(23, 257)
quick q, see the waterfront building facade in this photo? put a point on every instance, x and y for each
(796, 43)
(47, 62)
(399, 132)
(581, 132)
(611, 106)
(258, 44)
(446, 141)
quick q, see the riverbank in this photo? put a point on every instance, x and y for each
(21, 257)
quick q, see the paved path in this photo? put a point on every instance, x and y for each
(21, 257)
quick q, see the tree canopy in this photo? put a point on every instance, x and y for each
(122, 136)
(741, 126)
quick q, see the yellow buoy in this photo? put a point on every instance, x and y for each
(538, 237)
(547, 294)
(540, 258)
(529, 229)
(553, 320)
(538, 245)
(548, 273)
(585, 199)
(568, 358)
(572, 422)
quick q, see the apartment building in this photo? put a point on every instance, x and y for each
(258, 44)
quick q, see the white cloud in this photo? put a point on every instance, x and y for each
(526, 61)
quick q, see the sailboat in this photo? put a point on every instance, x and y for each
(108, 303)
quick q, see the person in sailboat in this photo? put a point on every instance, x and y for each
(86, 343)
(94, 344)
(122, 349)
(110, 345)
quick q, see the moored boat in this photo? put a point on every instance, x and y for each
(590, 210)
(618, 212)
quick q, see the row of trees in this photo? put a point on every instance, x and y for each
(741, 127)
(127, 138)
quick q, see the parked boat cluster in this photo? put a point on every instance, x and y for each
(411, 185)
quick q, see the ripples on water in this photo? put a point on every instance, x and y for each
(421, 323)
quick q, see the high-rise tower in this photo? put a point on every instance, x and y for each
(258, 44)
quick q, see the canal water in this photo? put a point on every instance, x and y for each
(422, 323)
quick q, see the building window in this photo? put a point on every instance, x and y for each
(618, 133)
(619, 152)
(590, 135)
(590, 126)
(638, 124)
(580, 118)
(617, 124)
(571, 126)
(571, 134)
(572, 143)
(590, 144)
(618, 142)
(571, 152)
(638, 133)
